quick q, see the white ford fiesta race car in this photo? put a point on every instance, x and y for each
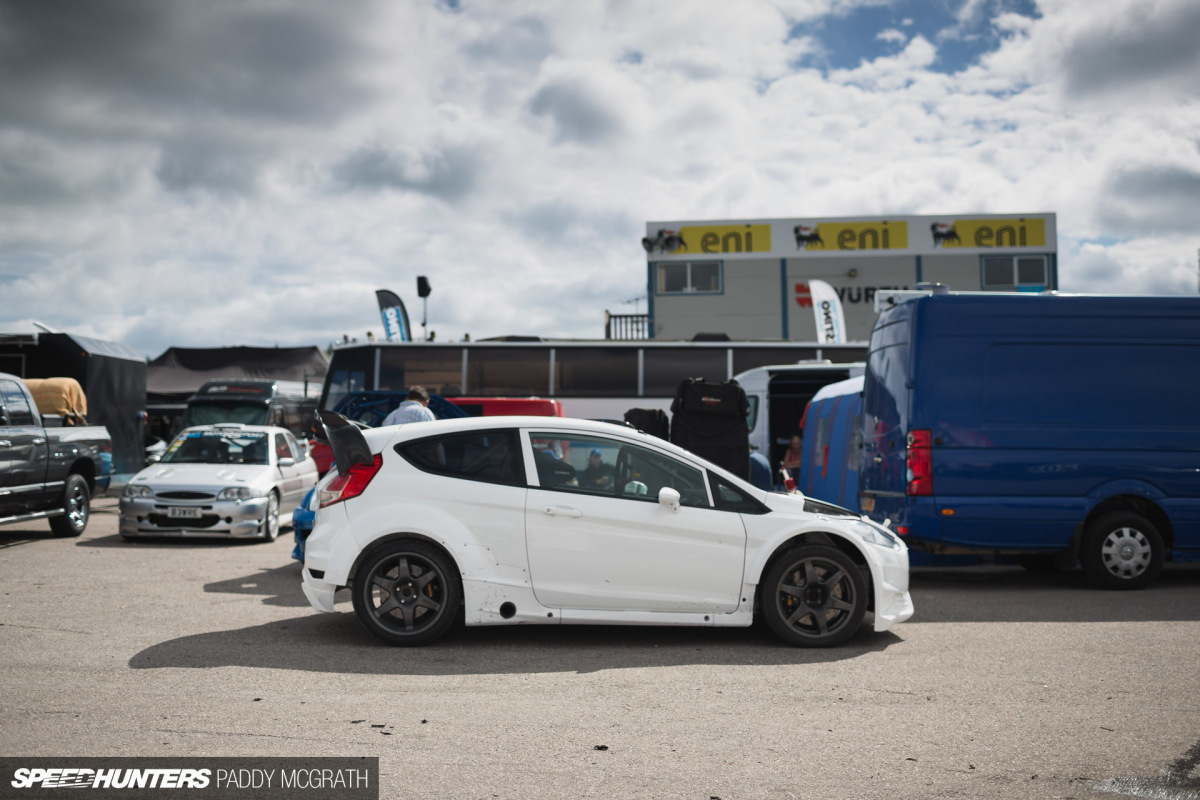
(542, 520)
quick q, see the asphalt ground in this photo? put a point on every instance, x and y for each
(1005, 684)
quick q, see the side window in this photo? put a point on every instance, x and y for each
(607, 467)
(488, 456)
(281, 448)
(294, 446)
(730, 498)
(15, 403)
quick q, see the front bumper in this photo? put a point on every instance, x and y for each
(893, 603)
(150, 516)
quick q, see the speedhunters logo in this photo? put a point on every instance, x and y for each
(68, 778)
(201, 778)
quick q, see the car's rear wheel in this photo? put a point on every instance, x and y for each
(814, 596)
(77, 504)
(1121, 551)
(407, 592)
(270, 523)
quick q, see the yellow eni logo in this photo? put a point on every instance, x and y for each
(728, 238)
(881, 235)
(1016, 232)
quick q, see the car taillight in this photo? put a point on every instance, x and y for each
(918, 462)
(352, 484)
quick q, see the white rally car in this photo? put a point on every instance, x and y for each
(219, 480)
(542, 520)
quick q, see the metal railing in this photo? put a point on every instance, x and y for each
(626, 326)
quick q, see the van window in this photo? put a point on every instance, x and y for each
(435, 368)
(595, 372)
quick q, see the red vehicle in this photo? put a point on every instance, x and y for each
(472, 407)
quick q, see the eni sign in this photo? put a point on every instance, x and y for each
(989, 233)
(852, 235)
(726, 238)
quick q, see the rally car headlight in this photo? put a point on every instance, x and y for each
(876, 535)
(238, 493)
(132, 491)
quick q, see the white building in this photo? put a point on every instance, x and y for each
(749, 278)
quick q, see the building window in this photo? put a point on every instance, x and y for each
(689, 277)
(1015, 273)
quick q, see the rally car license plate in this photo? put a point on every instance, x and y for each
(182, 512)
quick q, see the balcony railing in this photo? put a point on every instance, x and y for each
(626, 326)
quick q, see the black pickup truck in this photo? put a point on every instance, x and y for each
(47, 472)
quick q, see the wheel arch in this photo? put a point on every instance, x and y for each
(86, 469)
(1138, 504)
(818, 537)
(388, 538)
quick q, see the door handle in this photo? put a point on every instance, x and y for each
(39, 441)
(562, 511)
(878, 459)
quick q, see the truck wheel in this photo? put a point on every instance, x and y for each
(1121, 551)
(77, 505)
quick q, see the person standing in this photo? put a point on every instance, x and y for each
(413, 409)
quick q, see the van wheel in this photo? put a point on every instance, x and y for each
(77, 502)
(1121, 551)
(814, 596)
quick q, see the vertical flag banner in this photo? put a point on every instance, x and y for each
(395, 316)
(827, 308)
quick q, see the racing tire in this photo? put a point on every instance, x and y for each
(270, 523)
(77, 504)
(1122, 551)
(814, 596)
(407, 593)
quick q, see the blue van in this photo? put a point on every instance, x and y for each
(1059, 428)
(832, 444)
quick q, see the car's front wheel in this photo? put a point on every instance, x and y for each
(270, 523)
(407, 592)
(814, 596)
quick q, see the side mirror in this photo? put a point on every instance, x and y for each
(287, 462)
(669, 498)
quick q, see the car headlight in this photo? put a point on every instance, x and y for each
(876, 534)
(239, 493)
(132, 491)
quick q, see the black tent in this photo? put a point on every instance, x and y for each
(112, 375)
(175, 375)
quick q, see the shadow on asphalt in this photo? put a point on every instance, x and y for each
(278, 587)
(336, 643)
(1013, 594)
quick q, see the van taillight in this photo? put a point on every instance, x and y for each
(918, 461)
(352, 484)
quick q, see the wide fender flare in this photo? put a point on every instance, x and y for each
(756, 565)
(395, 520)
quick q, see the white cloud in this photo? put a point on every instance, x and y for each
(196, 190)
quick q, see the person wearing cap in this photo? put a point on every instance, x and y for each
(598, 475)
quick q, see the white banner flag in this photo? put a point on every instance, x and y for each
(831, 322)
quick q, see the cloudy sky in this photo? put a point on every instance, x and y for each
(223, 173)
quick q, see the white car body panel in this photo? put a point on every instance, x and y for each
(638, 564)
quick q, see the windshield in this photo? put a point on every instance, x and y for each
(218, 447)
(215, 413)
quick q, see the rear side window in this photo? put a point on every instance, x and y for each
(487, 456)
(15, 403)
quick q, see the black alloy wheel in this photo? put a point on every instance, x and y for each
(814, 596)
(407, 592)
